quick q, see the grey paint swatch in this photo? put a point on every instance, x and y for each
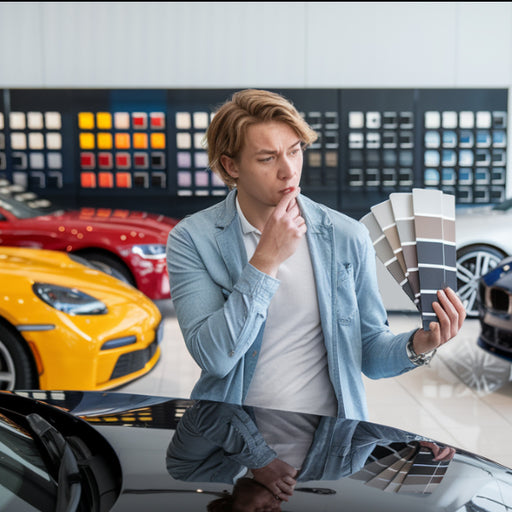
(413, 234)
(385, 253)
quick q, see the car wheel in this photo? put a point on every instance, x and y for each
(472, 263)
(110, 266)
(16, 369)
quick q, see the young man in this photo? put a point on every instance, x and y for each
(277, 295)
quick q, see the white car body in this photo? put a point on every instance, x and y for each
(483, 239)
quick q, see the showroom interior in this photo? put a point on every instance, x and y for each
(128, 90)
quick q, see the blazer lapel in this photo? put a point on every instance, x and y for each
(320, 236)
(229, 239)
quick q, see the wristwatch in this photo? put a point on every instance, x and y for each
(418, 359)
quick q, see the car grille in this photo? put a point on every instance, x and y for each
(499, 299)
(497, 337)
(136, 360)
(496, 299)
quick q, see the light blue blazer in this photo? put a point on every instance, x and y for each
(221, 303)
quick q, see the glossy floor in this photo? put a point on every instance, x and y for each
(463, 399)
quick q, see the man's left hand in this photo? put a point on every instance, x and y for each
(451, 314)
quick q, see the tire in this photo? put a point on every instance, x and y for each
(110, 265)
(472, 263)
(16, 366)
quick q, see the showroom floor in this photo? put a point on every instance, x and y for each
(463, 399)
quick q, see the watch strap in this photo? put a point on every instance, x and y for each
(418, 359)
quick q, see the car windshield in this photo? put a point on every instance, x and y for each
(505, 205)
(20, 209)
(26, 483)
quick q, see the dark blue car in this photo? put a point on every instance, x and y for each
(495, 310)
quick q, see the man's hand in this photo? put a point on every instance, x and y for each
(278, 477)
(281, 235)
(440, 454)
(451, 314)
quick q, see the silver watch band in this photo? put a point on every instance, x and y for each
(418, 359)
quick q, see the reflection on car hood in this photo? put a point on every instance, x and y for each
(346, 465)
(114, 217)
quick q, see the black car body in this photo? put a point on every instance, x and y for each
(124, 449)
(495, 310)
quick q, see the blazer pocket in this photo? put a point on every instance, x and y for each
(346, 300)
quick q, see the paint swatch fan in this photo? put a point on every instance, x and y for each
(414, 237)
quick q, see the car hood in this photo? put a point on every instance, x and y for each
(20, 267)
(36, 263)
(347, 465)
(120, 219)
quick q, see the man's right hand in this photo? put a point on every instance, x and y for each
(281, 235)
(278, 477)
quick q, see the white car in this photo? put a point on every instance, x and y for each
(483, 238)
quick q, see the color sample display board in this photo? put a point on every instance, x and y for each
(145, 149)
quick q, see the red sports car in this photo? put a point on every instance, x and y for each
(127, 244)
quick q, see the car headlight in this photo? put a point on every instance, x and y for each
(69, 300)
(149, 251)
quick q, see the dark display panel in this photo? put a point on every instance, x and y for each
(144, 149)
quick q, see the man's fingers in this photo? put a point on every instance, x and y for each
(443, 453)
(457, 304)
(444, 322)
(287, 201)
(454, 312)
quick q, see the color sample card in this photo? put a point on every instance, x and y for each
(403, 468)
(450, 252)
(383, 214)
(414, 236)
(385, 253)
(428, 223)
(401, 203)
(389, 471)
(425, 473)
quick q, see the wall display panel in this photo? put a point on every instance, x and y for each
(463, 139)
(36, 140)
(190, 113)
(126, 147)
(122, 145)
(379, 150)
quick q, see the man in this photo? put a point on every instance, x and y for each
(276, 295)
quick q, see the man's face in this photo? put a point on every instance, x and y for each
(269, 164)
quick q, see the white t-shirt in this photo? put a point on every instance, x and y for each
(291, 372)
(289, 434)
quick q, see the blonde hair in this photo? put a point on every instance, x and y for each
(227, 130)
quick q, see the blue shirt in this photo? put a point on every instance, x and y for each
(221, 302)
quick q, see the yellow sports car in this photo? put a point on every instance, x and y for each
(65, 325)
